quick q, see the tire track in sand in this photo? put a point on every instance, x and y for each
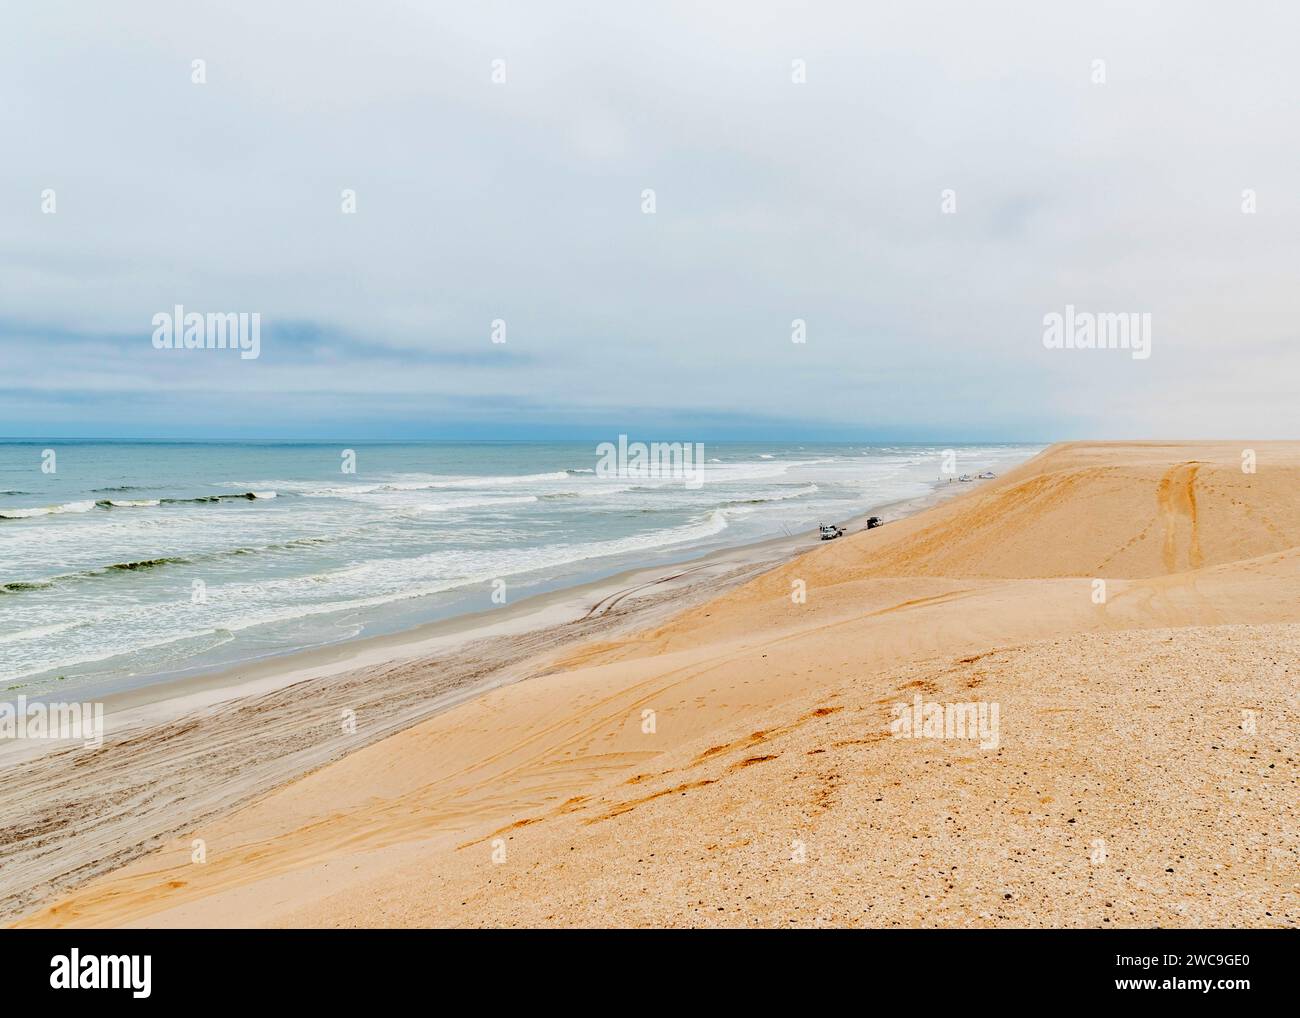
(1176, 497)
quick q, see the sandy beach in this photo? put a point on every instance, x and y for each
(716, 744)
(70, 813)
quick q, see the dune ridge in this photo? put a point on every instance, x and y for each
(736, 766)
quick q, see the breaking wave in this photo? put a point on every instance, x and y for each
(46, 510)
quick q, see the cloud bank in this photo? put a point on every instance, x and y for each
(942, 178)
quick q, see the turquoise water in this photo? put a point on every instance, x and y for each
(128, 562)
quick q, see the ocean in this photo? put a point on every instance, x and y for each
(123, 563)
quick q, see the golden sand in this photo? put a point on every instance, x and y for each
(736, 766)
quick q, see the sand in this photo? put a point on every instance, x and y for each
(176, 753)
(1144, 772)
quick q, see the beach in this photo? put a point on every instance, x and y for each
(718, 744)
(69, 813)
(135, 564)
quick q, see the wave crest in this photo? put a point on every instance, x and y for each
(46, 510)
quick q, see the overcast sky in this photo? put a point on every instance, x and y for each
(774, 201)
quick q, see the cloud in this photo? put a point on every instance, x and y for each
(521, 201)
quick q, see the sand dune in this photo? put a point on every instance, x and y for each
(1144, 773)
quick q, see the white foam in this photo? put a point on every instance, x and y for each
(38, 632)
(46, 510)
(432, 482)
(472, 503)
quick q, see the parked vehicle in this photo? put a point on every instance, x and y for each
(873, 522)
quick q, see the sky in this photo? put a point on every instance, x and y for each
(920, 184)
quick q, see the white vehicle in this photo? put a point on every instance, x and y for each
(830, 531)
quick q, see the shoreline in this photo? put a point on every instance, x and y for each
(250, 730)
(112, 609)
(155, 701)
